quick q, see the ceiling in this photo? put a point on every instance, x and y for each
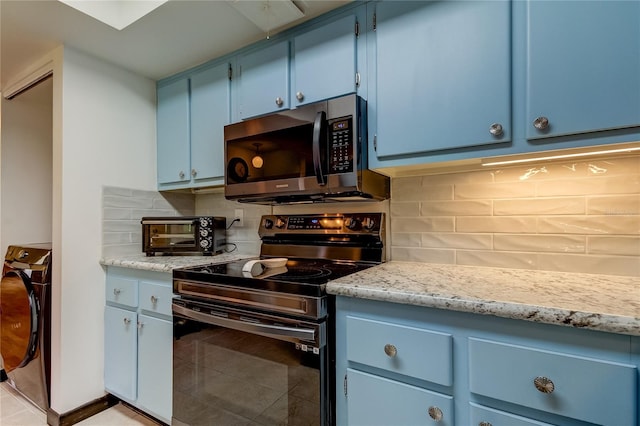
(176, 36)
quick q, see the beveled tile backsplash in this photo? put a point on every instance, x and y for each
(578, 216)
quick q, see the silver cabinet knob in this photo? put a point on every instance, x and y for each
(541, 123)
(194, 172)
(435, 413)
(544, 384)
(496, 129)
(154, 300)
(116, 291)
(181, 174)
(300, 96)
(140, 325)
(484, 424)
(390, 350)
(127, 321)
(279, 101)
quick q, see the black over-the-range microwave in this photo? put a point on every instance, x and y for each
(313, 153)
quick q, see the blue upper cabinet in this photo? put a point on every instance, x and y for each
(173, 132)
(210, 112)
(192, 113)
(324, 62)
(583, 72)
(441, 73)
(263, 84)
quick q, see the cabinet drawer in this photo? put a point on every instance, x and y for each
(587, 389)
(480, 415)
(123, 291)
(411, 351)
(155, 297)
(376, 401)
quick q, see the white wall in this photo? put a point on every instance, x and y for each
(26, 167)
(104, 134)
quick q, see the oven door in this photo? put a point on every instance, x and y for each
(240, 367)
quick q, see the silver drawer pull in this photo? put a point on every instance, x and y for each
(140, 325)
(484, 424)
(390, 350)
(541, 123)
(435, 413)
(544, 384)
(154, 300)
(116, 291)
(127, 321)
(496, 129)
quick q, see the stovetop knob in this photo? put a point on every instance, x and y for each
(268, 223)
(351, 223)
(368, 223)
(280, 223)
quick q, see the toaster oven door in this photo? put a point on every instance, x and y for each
(170, 236)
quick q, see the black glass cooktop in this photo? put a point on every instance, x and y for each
(300, 276)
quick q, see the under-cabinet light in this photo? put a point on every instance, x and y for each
(560, 156)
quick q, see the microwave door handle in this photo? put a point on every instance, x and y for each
(319, 141)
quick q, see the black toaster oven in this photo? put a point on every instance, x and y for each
(179, 235)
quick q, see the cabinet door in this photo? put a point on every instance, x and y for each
(325, 62)
(210, 112)
(173, 132)
(155, 349)
(377, 401)
(583, 73)
(263, 86)
(443, 75)
(120, 355)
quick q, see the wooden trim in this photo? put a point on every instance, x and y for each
(81, 413)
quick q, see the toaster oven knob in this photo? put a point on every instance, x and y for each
(268, 223)
(280, 223)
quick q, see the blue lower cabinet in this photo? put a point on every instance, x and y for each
(567, 385)
(138, 344)
(377, 401)
(484, 416)
(399, 365)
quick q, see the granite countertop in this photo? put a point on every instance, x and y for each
(599, 302)
(167, 263)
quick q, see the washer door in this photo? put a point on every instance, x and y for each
(18, 320)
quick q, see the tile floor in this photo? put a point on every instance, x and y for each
(17, 411)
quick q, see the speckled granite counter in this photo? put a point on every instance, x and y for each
(167, 263)
(598, 302)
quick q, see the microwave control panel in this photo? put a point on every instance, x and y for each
(341, 145)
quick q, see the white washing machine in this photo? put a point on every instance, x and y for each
(25, 321)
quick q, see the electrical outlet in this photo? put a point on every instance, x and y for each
(239, 217)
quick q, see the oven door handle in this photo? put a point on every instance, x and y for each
(289, 334)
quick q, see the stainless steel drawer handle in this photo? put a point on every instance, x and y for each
(181, 174)
(194, 172)
(300, 96)
(127, 321)
(544, 384)
(435, 413)
(116, 291)
(140, 325)
(541, 123)
(496, 129)
(484, 424)
(154, 300)
(390, 350)
(279, 101)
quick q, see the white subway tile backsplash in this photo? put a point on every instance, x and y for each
(616, 245)
(581, 216)
(457, 240)
(539, 206)
(497, 259)
(540, 243)
(454, 208)
(495, 224)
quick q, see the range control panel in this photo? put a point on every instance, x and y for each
(329, 223)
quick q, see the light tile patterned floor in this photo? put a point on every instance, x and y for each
(17, 411)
